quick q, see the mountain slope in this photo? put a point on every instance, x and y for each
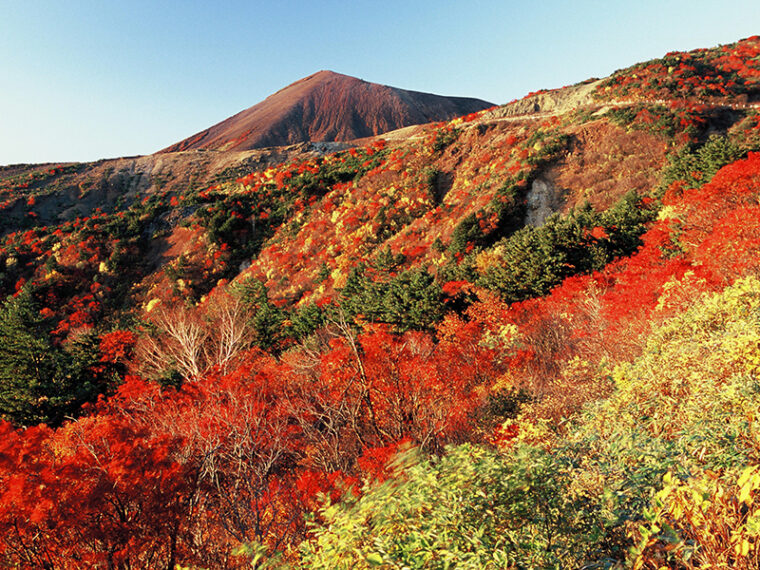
(327, 106)
(261, 329)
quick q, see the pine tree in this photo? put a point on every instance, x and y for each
(413, 301)
(41, 382)
(29, 369)
(268, 319)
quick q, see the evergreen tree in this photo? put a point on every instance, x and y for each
(267, 320)
(413, 300)
(410, 300)
(26, 370)
(41, 382)
(29, 370)
(306, 320)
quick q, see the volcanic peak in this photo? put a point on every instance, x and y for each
(327, 106)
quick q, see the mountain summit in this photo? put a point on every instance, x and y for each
(327, 106)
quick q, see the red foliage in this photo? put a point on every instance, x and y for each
(46, 313)
(453, 288)
(159, 477)
(730, 70)
(375, 462)
(117, 346)
(715, 236)
(504, 435)
(599, 233)
(100, 492)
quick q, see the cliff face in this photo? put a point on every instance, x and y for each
(327, 106)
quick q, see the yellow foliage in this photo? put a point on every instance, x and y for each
(679, 293)
(339, 277)
(364, 231)
(534, 430)
(151, 305)
(487, 259)
(694, 366)
(710, 522)
(621, 375)
(668, 213)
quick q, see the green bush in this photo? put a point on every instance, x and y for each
(472, 508)
(696, 165)
(410, 300)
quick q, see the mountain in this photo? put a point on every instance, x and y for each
(327, 106)
(555, 303)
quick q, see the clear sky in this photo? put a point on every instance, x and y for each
(87, 79)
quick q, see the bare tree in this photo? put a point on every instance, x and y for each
(193, 340)
(229, 335)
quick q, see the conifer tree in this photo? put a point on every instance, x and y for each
(41, 382)
(29, 369)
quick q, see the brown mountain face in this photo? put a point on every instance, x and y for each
(327, 106)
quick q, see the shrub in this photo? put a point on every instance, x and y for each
(709, 522)
(696, 165)
(472, 508)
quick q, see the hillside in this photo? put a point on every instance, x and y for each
(525, 337)
(327, 106)
(63, 192)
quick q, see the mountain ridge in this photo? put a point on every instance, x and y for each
(327, 106)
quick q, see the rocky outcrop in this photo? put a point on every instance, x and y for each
(555, 101)
(543, 200)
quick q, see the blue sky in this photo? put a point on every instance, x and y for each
(82, 80)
